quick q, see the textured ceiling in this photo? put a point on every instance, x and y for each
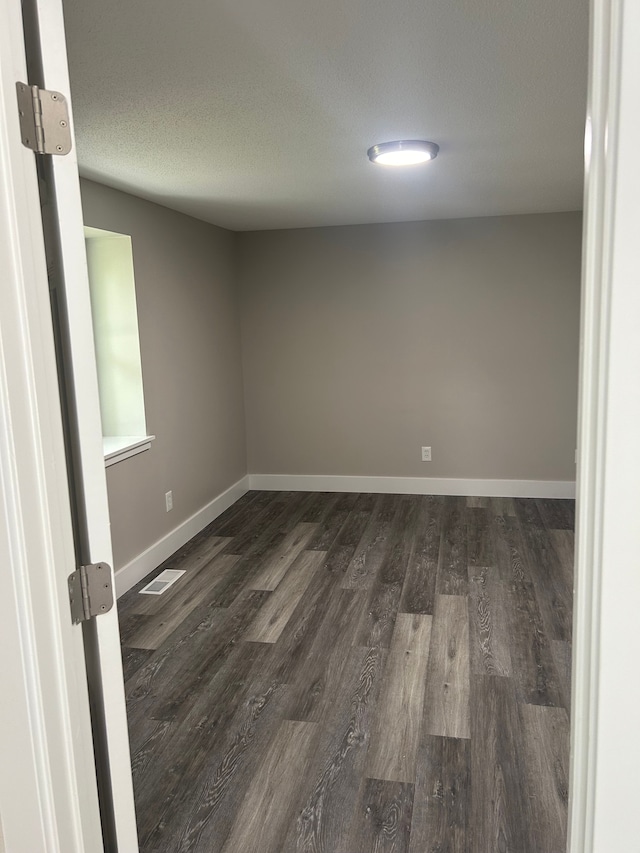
(257, 114)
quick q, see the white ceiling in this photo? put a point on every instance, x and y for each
(257, 114)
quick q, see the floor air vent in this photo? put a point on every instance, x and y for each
(162, 582)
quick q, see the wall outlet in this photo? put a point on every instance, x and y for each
(168, 499)
(426, 454)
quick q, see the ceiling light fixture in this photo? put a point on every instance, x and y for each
(404, 152)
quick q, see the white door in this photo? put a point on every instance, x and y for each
(89, 654)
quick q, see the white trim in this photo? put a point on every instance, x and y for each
(117, 448)
(103, 669)
(591, 405)
(605, 743)
(48, 794)
(140, 566)
(414, 485)
(134, 571)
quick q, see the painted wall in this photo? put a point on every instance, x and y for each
(361, 344)
(189, 326)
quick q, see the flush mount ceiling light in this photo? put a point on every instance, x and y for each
(404, 152)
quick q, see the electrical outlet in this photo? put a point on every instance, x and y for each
(168, 499)
(426, 454)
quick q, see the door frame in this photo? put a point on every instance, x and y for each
(48, 800)
(605, 738)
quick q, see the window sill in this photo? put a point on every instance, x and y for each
(119, 447)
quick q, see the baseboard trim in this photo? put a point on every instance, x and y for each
(134, 571)
(140, 566)
(414, 485)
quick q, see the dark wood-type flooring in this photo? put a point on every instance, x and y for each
(356, 674)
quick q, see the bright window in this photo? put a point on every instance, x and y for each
(117, 343)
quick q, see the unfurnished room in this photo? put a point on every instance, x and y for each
(334, 256)
(376, 366)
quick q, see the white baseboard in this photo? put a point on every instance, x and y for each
(140, 566)
(414, 485)
(134, 571)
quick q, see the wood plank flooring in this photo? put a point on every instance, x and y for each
(340, 673)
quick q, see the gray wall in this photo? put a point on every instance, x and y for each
(191, 363)
(361, 344)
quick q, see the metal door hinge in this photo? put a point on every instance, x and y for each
(90, 592)
(44, 120)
